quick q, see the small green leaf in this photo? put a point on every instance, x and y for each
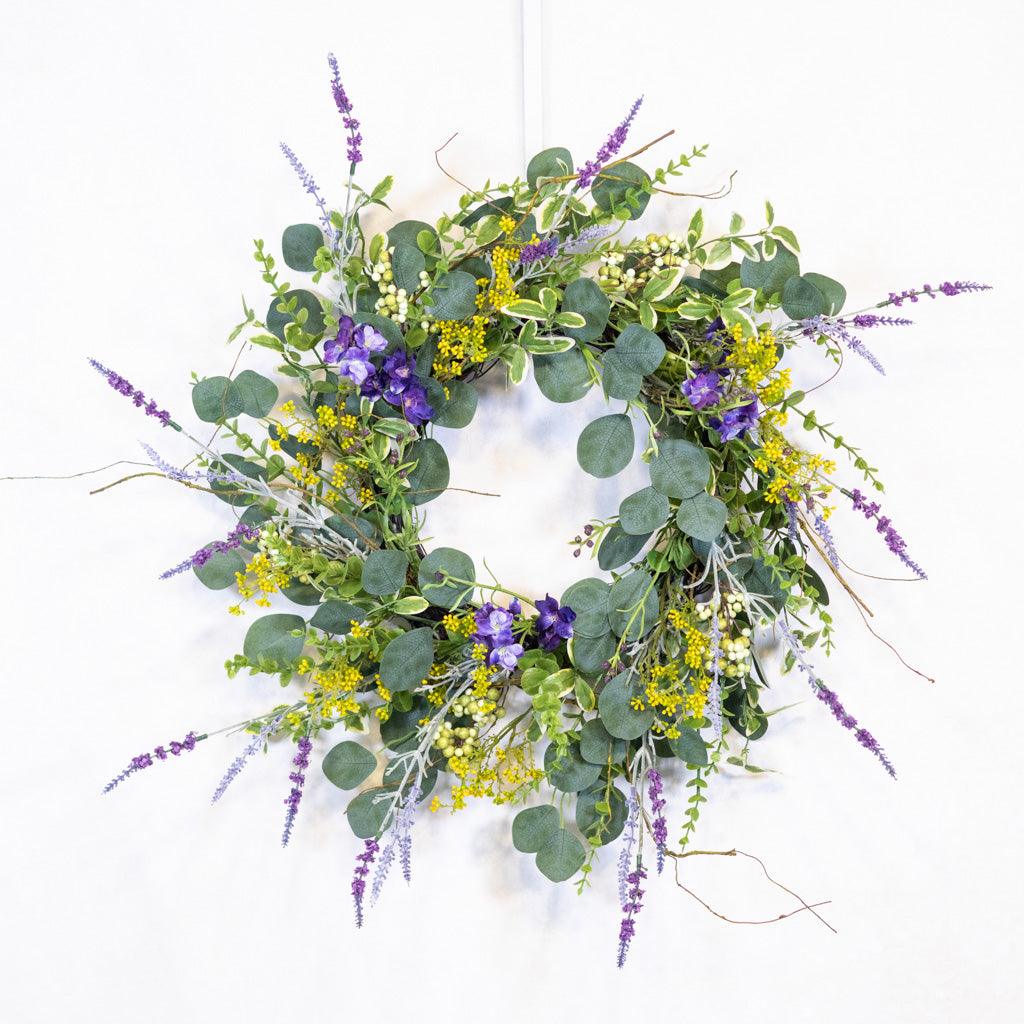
(407, 660)
(605, 447)
(427, 479)
(532, 828)
(567, 771)
(409, 606)
(526, 308)
(348, 764)
(663, 283)
(639, 349)
(584, 296)
(561, 856)
(786, 236)
(455, 409)
(384, 572)
(648, 318)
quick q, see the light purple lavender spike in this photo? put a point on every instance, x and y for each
(239, 762)
(834, 329)
(628, 842)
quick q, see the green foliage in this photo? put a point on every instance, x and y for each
(384, 572)
(216, 399)
(680, 469)
(643, 512)
(348, 764)
(407, 659)
(533, 827)
(299, 246)
(561, 856)
(564, 376)
(621, 707)
(703, 516)
(271, 637)
(219, 571)
(446, 577)
(567, 770)
(605, 447)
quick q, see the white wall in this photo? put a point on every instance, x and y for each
(140, 159)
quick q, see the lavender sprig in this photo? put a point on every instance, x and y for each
(831, 701)
(182, 475)
(590, 170)
(659, 827)
(400, 836)
(203, 555)
(630, 907)
(301, 761)
(345, 108)
(310, 186)
(124, 387)
(946, 288)
(239, 762)
(896, 544)
(865, 320)
(364, 860)
(629, 841)
(837, 331)
(145, 760)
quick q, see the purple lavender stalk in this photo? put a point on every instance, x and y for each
(173, 473)
(831, 701)
(400, 836)
(630, 907)
(864, 320)
(238, 764)
(203, 555)
(896, 544)
(124, 387)
(835, 329)
(659, 828)
(946, 288)
(145, 760)
(301, 760)
(365, 859)
(345, 108)
(590, 170)
(310, 186)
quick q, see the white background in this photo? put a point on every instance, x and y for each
(140, 159)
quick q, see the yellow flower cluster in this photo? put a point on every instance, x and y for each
(459, 624)
(269, 579)
(503, 291)
(496, 773)
(334, 687)
(791, 469)
(458, 345)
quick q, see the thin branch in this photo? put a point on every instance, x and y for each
(733, 853)
(85, 472)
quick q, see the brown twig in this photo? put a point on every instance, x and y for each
(733, 853)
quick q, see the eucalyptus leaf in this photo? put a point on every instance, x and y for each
(689, 747)
(439, 564)
(384, 572)
(633, 605)
(614, 183)
(801, 300)
(532, 828)
(618, 547)
(406, 263)
(348, 764)
(398, 732)
(336, 617)
(216, 399)
(219, 571)
(454, 296)
(259, 395)
(590, 655)
(566, 770)
(615, 704)
(588, 598)
(643, 512)
(407, 659)
(299, 246)
(563, 376)
(605, 447)
(271, 637)
(680, 469)
(703, 516)
(367, 816)
(832, 292)
(598, 746)
(606, 826)
(305, 300)
(454, 409)
(428, 479)
(549, 163)
(639, 349)
(584, 296)
(769, 275)
(561, 856)
(618, 380)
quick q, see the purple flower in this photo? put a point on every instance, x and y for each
(630, 907)
(591, 168)
(585, 237)
(865, 320)
(145, 760)
(554, 623)
(310, 186)
(124, 387)
(363, 862)
(702, 390)
(947, 288)
(415, 405)
(301, 760)
(659, 828)
(494, 630)
(827, 697)
(629, 841)
(345, 108)
(737, 421)
(239, 762)
(203, 555)
(400, 835)
(896, 544)
(540, 250)
(817, 325)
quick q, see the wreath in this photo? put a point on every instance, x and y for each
(453, 686)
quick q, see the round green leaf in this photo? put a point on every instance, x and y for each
(532, 828)
(218, 571)
(216, 399)
(590, 655)
(454, 296)
(605, 447)
(584, 296)
(276, 320)
(561, 856)
(567, 770)
(354, 528)
(832, 292)
(406, 263)
(639, 349)
(618, 380)
(336, 617)
(259, 395)
(429, 477)
(703, 516)
(299, 246)
(643, 512)
(407, 660)
(384, 572)
(348, 764)
(598, 746)
(407, 232)
(589, 600)
(367, 818)
(301, 593)
(612, 185)
(447, 562)
(689, 747)
(801, 300)
(633, 605)
(399, 732)
(618, 715)
(604, 825)
(454, 409)
(761, 580)
(271, 637)
(550, 163)
(619, 547)
(680, 469)
(562, 376)
(769, 275)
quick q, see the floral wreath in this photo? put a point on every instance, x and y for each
(583, 698)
